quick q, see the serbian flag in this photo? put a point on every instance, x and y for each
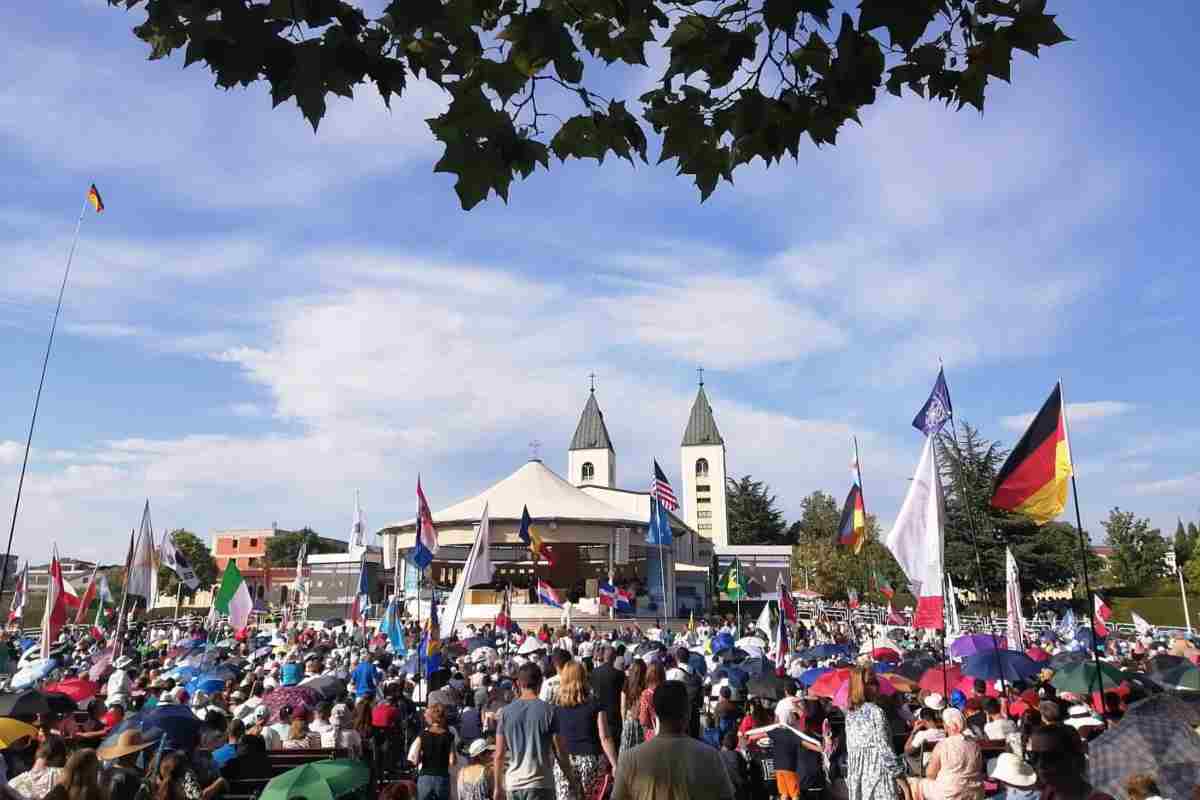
(781, 642)
(853, 527)
(55, 615)
(547, 595)
(916, 539)
(426, 543)
(1100, 615)
(504, 620)
(608, 595)
(533, 539)
(362, 596)
(1035, 478)
(787, 605)
(18, 600)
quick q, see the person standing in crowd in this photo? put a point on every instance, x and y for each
(585, 732)
(122, 779)
(527, 740)
(433, 753)
(672, 764)
(475, 779)
(607, 683)
(299, 737)
(632, 733)
(80, 778)
(549, 691)
(340, 735)
(655, 676)
(872, 765)
(797, 768)
(365, 677)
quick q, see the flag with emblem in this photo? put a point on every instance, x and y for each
(937, 409)
(426, 545)
(733, 585)
(533, 540)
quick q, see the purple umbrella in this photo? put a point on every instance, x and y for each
(965, 646)
(295, 696)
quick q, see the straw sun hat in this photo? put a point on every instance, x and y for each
(130, 741)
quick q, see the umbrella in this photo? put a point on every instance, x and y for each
(319, 780)
(1166, 705)
(1081, 678)
(913, 668)
(328, 686)
(78, 689)
(179, 726)
(1066, 659)
(901, 683)
(722, 641)
(967, 687)
(28, 703)
(737, 676)
(827, 651)
(60, 703)
(1159, 744)
(530, 645)
(1009, 665)
(33, 672)
(828, 684)
(183, 674)
(1164, 661)
(936, 679)
(750, 643)
(842, 697)
(809, 676)
(974, 643)
(213, 681)
(101, 666)
(757, 666)
(13, 729)
(1183, 676)
(294, 696)
(333, 623)
(770, 686)
(1037, 654)
(886, 654)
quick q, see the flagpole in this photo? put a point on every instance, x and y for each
(662, 555)
(37, 398)
(862, 493)
(1087, 583)
(1183, 595)
(178, 596)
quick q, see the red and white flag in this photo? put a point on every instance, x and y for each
(17, 610)
(1101, 615)
(787, 604)
(55, 615)
(917, 537)
(892, 617)
(89, 595)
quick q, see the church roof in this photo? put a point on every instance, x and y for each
(591, 434)
(701, 427)
(547, 495)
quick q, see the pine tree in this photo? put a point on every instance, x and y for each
(753, 517)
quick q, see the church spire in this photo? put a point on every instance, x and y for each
(701, 427)
(591, 433)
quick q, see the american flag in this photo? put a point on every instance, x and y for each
(661, 489)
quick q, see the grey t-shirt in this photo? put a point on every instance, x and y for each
(528, 727)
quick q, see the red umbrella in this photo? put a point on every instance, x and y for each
(78, 689)
(966, 685)
(1037, 654)
(938, 678)
(885, 654)
(828, 684)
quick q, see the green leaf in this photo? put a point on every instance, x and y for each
(905, 20)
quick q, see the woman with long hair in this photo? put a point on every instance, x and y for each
(872, 766)
(632, 733)
(433, 752)
(80, 778)
(655, 677)
(583, 725)
(172, 773)
(36, 783)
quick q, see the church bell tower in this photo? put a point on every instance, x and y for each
(702, 460)
(590, 458)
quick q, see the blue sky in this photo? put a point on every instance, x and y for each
(265, 320)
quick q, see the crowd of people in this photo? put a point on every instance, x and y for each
(570, 714)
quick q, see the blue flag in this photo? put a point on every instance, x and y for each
(937, 409)
(393, 629)
(659, 531)
(431, 646)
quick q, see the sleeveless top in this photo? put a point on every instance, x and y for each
(435, 753)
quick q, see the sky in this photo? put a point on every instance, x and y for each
(265, 320)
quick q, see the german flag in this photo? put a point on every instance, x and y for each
(93, 197)
(853, 527)
(1033, 481)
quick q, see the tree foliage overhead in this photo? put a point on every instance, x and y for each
(752, 515)
(1139, 551)
(744, 79)
(830, 568)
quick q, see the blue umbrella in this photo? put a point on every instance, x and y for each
(183, 674)
(697, 663)
(180, 727)
(32, 673)
(722, 641)
(757, 666)
(1009, 665)
(827, 651)
(737, 676)
(969, 645)
(809, 676)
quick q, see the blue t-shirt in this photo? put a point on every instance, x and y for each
(223, 754)
(290, 674)
(364, 679)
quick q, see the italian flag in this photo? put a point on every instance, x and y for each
(233, 597)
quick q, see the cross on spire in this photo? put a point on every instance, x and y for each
(592, 378)
(535, 448)
(700, 372)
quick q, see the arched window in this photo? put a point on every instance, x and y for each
(702, 468)
(588, 472)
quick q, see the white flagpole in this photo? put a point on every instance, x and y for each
(1183, 594)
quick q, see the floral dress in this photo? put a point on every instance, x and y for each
(872, 765)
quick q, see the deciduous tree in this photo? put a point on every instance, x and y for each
(1139, 551)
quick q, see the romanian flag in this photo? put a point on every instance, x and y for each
(853, 527)
(93, 197)
(1033, 481)
(533, 539)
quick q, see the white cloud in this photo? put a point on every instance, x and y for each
(1185, 484)
(1077, 414)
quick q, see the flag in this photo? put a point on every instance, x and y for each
(504, 621)
(952, 609)
(1065, 629)
(692, 621)
(362, 596)
(477, 570)
(660, 489)
(1140, 623)
(101, 621)
(884, 587)
(102, 590)
(17, 609)
(1101, 614)
(937, 409)
(916, 539)
(426, 544)
(1012, 592)
(393, 628)
(89, 595)
(118, 637)
(624, 602)
(301, 562)
(174, 560)
(547, 595)
(233, 596)
(781, 643)
(658, 532)
(93, 197)
(853, 526)
(787, 604)
(1035, 478)
(892, 617)
(533, 540)
(764, 622)
(358, 530)
(608, 595)
(430, 649)
(54, 617)
(852, 597)
(734, 582)
(143, 569)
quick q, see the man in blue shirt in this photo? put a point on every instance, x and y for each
(290, 673)
(223, 754)
(365, 678)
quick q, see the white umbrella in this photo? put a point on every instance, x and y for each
(750, 643)
(530, 645)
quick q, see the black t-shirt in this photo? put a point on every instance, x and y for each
(577, 725)
(789, 753)
(607, 684)
(435, 753)
(247, 767)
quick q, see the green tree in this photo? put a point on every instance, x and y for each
(744, 80)
(284, 546)
(1187, 543)
(199, 557)
(819, 518)
(829, 568)
(1139, 551)
(753, 517)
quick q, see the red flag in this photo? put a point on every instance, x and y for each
(88, 596)
(1101, 615)
(892, 617)
(55, 615)
(786, 603)
(19, 593)
(851, 598)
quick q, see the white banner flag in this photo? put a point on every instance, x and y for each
(1141, 624)
(477, 570)
(143, 571)
(1016, 624)
(177, 562)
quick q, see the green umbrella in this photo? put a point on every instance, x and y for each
(1081, 678)
(1181, 676)
(319, 780)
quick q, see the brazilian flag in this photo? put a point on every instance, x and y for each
(733, 585)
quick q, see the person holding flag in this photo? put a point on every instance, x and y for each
(17, 609)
